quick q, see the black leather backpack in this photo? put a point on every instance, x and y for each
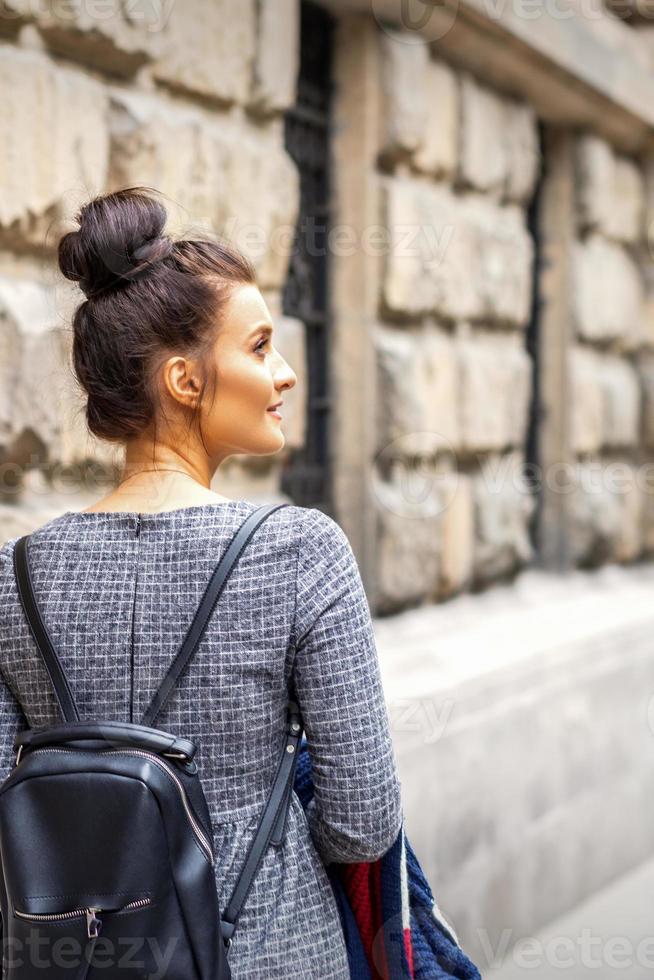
(105, 834)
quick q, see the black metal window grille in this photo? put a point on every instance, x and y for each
(306, 475)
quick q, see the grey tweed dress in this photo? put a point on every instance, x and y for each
(118, 591)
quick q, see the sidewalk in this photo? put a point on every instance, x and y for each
(523, 723)
(611, 935)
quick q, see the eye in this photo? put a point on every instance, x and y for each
(259, 348)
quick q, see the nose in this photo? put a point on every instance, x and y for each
(285, 376)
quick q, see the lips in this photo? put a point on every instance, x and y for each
(274, 408)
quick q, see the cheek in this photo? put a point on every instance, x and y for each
(246, 380)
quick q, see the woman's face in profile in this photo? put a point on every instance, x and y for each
(251, 377)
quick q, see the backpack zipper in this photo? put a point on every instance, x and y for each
(182, 792)
(199, 833)
(93, 923)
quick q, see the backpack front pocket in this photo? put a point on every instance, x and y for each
(60, 944)
(93, 921)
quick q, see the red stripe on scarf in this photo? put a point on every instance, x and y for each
(408, 949)
(362, 884)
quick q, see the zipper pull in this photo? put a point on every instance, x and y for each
(93, 926)
(93, 923)
(138, 525)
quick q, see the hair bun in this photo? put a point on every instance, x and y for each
(119, 239)
(153, 250)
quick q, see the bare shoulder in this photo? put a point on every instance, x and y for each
(143, 503)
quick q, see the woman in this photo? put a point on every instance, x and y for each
(173, 347)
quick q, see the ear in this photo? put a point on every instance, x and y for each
(181, 380)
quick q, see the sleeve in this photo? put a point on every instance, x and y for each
(12, 720)
(356, 811)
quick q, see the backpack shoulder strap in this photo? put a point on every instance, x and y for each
(58, 678)
(59, 681)
(205, 609)
(272, 824)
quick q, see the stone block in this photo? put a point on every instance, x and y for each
(628, 202)
(451, 126)
(461, 257)
(594, 516)
(405, 101)
(610, 190)
(226, 176)
(10, 351)
(645, 337)
(407, 547)
(397, 401)
(42, 408)
(276, 60)
(15, 15)
(606, 511)
(417, 389)
(646, 376)
(587, 403)
(457, 535)
(594, 177)
(42, 417)
(646, 479)
(54, 137)
(503, 508)
(620, 403)
(630, 542)
(208, 50)
(648, 204)
(30, 400)
(484, 159)
(106, 35)
(523, 151)
(437, 152)
(494, 392)
(607, 290)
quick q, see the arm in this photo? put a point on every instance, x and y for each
(12, 717)
(356, 810)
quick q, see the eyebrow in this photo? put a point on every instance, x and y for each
(261, 326)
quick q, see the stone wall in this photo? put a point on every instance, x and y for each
(611, 356)
(192, 103)
(460, 344)
(458, 163)
(95, 98)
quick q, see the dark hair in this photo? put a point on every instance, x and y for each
(148, 297)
